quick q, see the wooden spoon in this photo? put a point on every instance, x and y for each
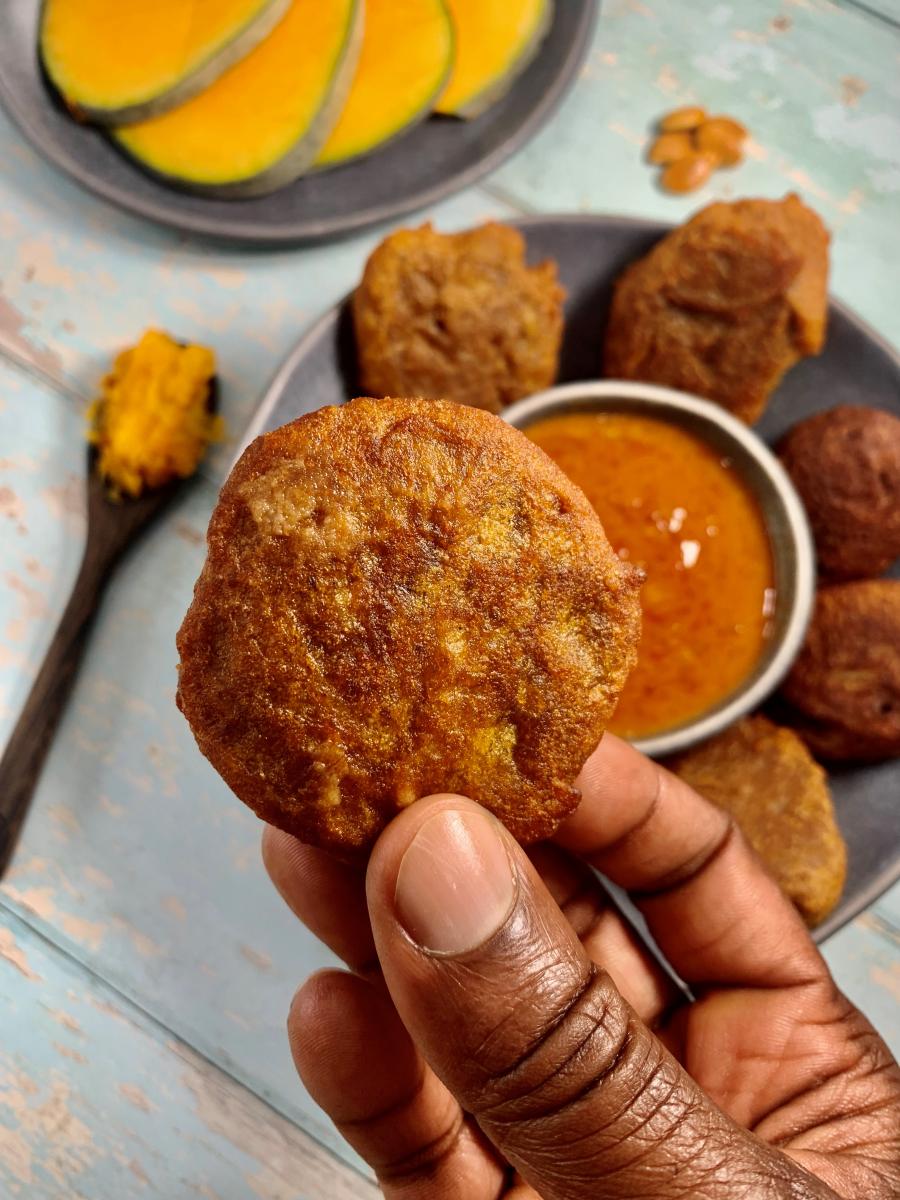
(112, 526)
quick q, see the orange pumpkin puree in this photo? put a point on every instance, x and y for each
(151, 422)
(672, 505)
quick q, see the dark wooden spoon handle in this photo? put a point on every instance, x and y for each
(27, 748)
(113, 525)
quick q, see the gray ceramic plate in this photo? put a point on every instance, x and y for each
(436, 158)
(857, 367)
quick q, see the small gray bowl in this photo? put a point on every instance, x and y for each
(792, 546)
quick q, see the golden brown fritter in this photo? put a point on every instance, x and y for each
(725, 304)
(457, 317)
(778, 795)
(845, 464)
(844, 688)
(402, 597)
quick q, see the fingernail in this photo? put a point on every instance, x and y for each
(455, 886)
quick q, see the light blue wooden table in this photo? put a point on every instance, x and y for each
(145, 964)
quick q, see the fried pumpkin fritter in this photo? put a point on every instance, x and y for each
(725, 304)
(843, 691)
(402, 597)
(457, 317)
(845, 463)
(778, 795)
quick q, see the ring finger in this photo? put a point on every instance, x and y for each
(329, 898)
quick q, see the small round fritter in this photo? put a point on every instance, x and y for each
(725, 304)
(778, 795)
(845, 464)
(843, 691)
(402, 597)
(457, 317)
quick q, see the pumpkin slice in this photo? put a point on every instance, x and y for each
(262, 123)
(495, 41)
(407, 56)
(114, 61)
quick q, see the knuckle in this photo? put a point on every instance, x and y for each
(688, 871)
(427, 1160)
(589, 1042)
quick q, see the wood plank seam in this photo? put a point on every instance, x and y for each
(878, 923)
(211, 1070)
(41, 374)
(876, 14)
(504, 195)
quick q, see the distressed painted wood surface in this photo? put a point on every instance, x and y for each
(887, 10)
(138, 887)
(99, 1102)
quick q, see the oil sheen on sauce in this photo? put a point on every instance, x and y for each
(672, 505)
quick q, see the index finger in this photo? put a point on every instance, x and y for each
(714, 910)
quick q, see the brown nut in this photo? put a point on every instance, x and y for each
(688, 173)
(682, 120)
(723, 138)
(670, 147)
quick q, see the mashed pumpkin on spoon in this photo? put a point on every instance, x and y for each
(153, 419)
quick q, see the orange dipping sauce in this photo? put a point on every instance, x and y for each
(672, 505)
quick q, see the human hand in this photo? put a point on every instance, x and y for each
(503, 1034)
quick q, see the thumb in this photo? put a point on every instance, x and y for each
(532, 1037)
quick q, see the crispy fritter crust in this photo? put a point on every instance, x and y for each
(457, 317)
(844, 688)
(845, 464)
(402, 597)
(725, 304)
(778, 794)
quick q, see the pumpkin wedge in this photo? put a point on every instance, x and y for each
(495, 41)
(262, 123)
(406, 60)
(114, 61)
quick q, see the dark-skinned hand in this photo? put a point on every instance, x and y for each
(502, 1033)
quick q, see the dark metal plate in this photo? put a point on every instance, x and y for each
(433, 160)
(856, 367)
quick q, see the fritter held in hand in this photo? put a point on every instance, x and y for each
(402, 597)
(778, 795)
(725, 304)
(844, 688)
(846, 466)
(457, 317)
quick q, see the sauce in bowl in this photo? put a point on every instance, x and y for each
(671, 504)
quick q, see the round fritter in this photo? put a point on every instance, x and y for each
(778, 795)
(402, 597)
(844, 688)
(725, 304)
(845, 464)
(457, 317)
